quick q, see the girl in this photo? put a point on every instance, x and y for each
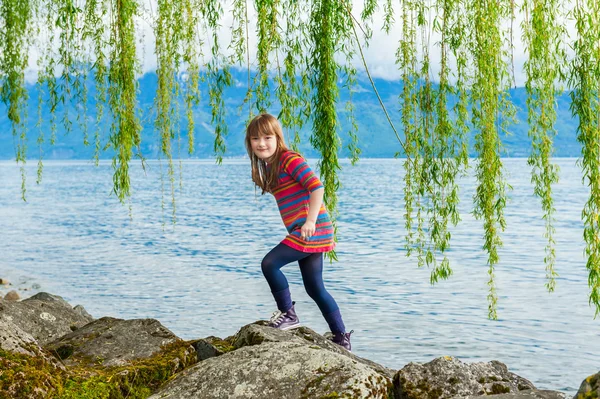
(299, 195)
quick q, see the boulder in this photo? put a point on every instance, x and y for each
(4, 281)
(81, 311)
(12, 296)
(275, 370)
(446, 377)
(112, 342)
(46, 297)
(13, 339)
(257, 333)
(26, 370)
(528, 394)
(45, 320)
(589, 388)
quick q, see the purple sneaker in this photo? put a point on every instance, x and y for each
(285, 320)
(343, 339)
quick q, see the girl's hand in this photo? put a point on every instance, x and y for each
(307, 230)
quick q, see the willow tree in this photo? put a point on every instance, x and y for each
(454, 59)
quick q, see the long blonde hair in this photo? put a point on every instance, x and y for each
(265, 125)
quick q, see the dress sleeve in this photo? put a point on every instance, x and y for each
(296, 166)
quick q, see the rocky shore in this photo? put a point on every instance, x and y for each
(49, 349)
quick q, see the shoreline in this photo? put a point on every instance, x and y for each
(69, 339)
(27, 293)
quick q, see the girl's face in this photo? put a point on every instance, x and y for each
(264, 146)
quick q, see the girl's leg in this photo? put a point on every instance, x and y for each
(271, 266)
(312, 275)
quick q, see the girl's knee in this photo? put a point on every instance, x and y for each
(267, 265)
(316, 293)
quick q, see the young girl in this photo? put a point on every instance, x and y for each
(299, 195)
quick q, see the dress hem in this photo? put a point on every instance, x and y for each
(307, 250)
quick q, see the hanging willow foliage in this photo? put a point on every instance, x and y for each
(122, 86)
(433, 158)
(95, 32)
(491, 110)
(16, 15)
(327, 18)
(218, 77)
(305, 53)
(585, 81)
(191, 53)
(542, 35)
(293, 90)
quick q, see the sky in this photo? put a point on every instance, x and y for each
(379, 55)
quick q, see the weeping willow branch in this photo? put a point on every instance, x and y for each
(68, 49)
(464, 149)
(542, 34)
(324, 69)
(291, 89)
(268, 41)
(14, 53)
(219, 77)
(168, 37)
(488, 112)
(584, 80)
(191, 44)
(95, 29)
(125, 129)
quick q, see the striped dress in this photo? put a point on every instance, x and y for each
(296, 182)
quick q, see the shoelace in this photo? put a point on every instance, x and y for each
(345, 336)
(277, 317)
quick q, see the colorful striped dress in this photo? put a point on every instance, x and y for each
(296, 182)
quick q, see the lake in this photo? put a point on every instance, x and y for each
(202, 275)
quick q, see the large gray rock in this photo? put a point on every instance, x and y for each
(446, 377)
(273, 370)
(528, 394)
(256, 333)
(46, 297)
(589, 388)
(46, 320)
(112, 342)
(14, 339)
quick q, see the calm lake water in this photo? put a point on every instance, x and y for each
(202, 276)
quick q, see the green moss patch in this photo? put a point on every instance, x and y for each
(24, 376)
(498, 389)
(223, 345)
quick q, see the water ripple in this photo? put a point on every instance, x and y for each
(202, 276)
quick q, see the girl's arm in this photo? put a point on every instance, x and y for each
(314, 206)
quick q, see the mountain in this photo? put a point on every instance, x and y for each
(376, 137)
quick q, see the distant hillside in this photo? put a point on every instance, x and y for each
(376, 138)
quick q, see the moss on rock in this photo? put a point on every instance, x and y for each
(590, 388)
(25, 376)
(498, 388)
(224, 345)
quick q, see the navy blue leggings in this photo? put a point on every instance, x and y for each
(311, 267)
